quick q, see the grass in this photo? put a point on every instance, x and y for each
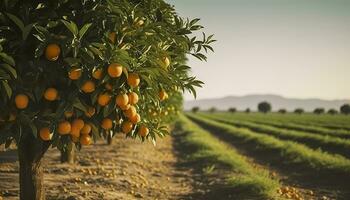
(329, 167)
(249, 182)
(327, 143)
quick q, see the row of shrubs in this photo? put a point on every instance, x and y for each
(265, 107)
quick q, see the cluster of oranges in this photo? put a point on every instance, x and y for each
(126, 101)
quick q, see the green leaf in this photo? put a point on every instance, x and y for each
(83, 30)
(16, 20)
(8, 59)
(10, 69)
(27, 29)
(72, 27)
(7, 88)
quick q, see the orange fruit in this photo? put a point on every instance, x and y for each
(133, 98)
(45, 134)
(143, 131)
(106, 124)
(122, 100)
(78, 124)
(130, 112)
(90, 111)
(74, 74)
(112, 37)
(103, 99)
(75, 132)
(126, 107)
(115, 70)
(85, 140)
(133, 80)
(86, 129)
(88, 86)
(68, 114)
(21, 101)
(162, 95)
(51, 94)
(97, 74)
(64, 128)
(135, 119)
(108, 86)
(52, 52)
(127, 127)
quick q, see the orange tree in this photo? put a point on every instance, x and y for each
(73, 70)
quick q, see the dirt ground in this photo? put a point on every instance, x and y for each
(128, 169)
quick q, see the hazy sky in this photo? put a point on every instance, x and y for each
(295, 48)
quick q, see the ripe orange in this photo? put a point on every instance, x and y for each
(21, 101)
(143, 131)
(126, 107)
(68, 114)
(107, 124)
(133, 80)
(85, 140)
(162, 95)
(74, 74)
(115, 70)
(130, 112)
(90, 111)
(51, 94)
(103, 99)
(52, 52)
(88, 86)
(97, 74)
(64, 128)
(112, 37)
(45, 134)
(75, 132)
(78, 124)
(133, 98)
(127, 127)
(122, 100)
(86, 129)
(135, 119)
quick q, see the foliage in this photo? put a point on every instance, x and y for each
(299, 111)
(264, 107)
(282, 111)
(319, 111)
(212, 110)
(345, 109)
(63, 45)
(247, 110)
(195, 109)
(332, 111)
(232, 110)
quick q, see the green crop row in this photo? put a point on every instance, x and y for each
(249, 181)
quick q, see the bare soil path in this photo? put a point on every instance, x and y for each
(128, 169)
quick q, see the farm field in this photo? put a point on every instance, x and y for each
(302, 158)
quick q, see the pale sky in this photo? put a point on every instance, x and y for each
(294, 48)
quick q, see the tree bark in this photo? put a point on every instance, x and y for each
(68, 156)
(30, 154)
(109, 138)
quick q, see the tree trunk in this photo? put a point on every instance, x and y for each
(109, 138)
(68, 156)
(30, 153)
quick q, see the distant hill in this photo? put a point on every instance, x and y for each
(251, 101)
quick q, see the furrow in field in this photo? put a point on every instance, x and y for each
(325, 143)
(311, 168)
(246, 180)
(292, 126)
